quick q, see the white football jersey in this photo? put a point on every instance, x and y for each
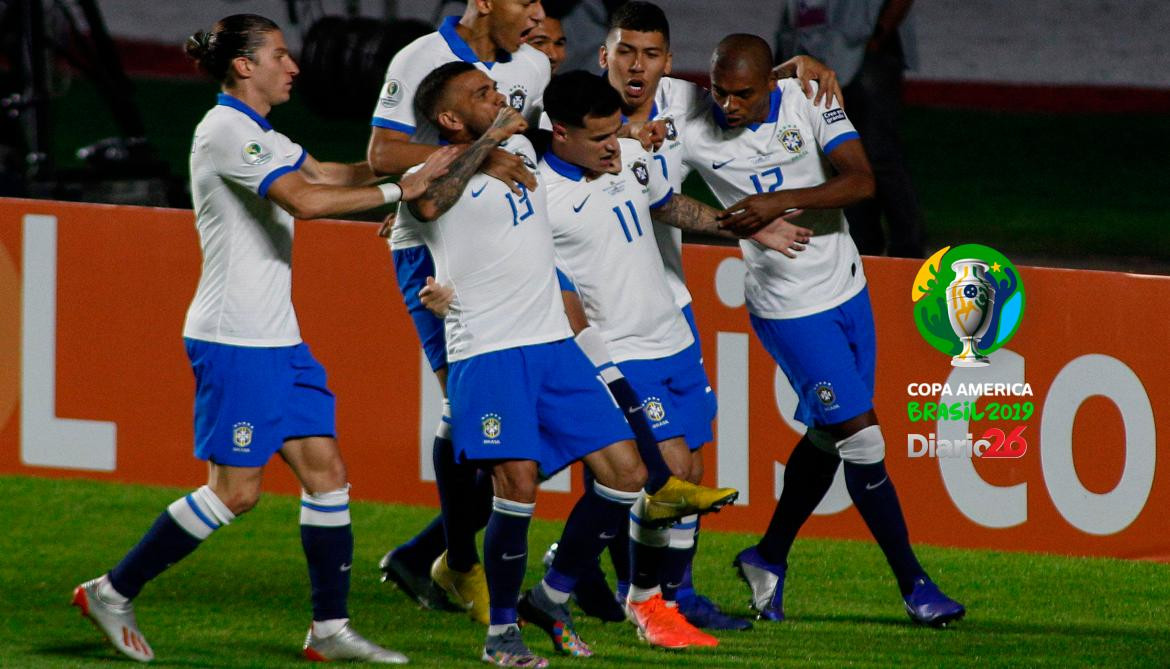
(787, 150)
(605, 245)
(521, 77)
(495, 250)
(673, 99)
(245, 289)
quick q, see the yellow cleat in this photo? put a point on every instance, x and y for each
(680, 498)
(467, 589)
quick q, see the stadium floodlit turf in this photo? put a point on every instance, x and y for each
(242, 599)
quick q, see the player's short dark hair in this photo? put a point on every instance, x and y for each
(572, 96)
(558, 9)
(430, 90)
(231, 37)
(645, 17)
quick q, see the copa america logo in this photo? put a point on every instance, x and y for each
(968, 302)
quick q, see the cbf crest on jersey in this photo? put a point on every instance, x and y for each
(792, 141)
(255, 153)
(671, 131)
(825, 394)
(517, 97)
(655, 412)
(391, 94)
(491, 426)
(241, 436)
(641, 173)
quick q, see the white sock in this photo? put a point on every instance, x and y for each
(552, 593)
(497, 630)
(640, 595)
(327, 628)
(108, 594)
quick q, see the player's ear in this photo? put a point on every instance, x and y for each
(669, 62)
(559, 132)
(242, 67)
(603, 57)
(449, 120)
(484, 6)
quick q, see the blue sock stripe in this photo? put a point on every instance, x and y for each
(199, 513)
(325, 509)
(502, 616)
(558, 581)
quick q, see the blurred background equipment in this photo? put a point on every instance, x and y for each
(44, 41)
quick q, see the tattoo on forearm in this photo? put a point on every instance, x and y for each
(444, 192)
(688, 214)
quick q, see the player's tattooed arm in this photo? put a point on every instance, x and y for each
(691, 215)
(445, 191)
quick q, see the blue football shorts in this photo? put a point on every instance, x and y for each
(542, 402)
(676, 397)
(412, 266)
(828, 357)
(250, 400)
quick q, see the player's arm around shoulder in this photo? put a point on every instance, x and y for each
(303, 193)
(444, 192)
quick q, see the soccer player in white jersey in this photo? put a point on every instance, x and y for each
(258, 389)
(601, 192)
(490, 37)
(636, 56)
(525, 399)
(764, 149)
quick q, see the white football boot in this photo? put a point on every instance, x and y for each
(116, 621)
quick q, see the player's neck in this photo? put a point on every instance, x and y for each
(588, 174)
(475, 32)
(641, 112)
(252, 98)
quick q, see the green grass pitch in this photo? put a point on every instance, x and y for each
(242, 599)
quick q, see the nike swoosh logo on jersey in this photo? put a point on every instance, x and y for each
(878, 484)
(577, 209)
(715, 165)
(475, 193)
(513, 557)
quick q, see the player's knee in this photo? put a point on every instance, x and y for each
(516, 483)
(630, 479)
(864, 447)
(240, 501)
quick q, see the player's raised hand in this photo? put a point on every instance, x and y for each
(415, 183)
(508, 122)
(436, 297)
(806, 69)
(784, 236)
(650, 133)
(748, 216)
(387, 225)
(509, 168)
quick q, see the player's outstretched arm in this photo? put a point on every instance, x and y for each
(852, 184)
(445, 191)
(689, 214)
(391, 152)
(807, 69)
(338, 174)
(302, 198)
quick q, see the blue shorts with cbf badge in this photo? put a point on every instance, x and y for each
(250, 400)
(676, 397)
(828, 358)
(543, 402)
(412, 266)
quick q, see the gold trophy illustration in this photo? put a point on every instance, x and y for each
(970, 304)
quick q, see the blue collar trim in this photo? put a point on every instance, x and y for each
(461, 49)
(653, 113)
(773, 113)
(563, 167)
(238, 104)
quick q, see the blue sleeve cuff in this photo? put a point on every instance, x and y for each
(279, 172)
(565, 282)
(664, 200)
(392, 125)
(836, 141)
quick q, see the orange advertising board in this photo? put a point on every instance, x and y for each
(94, 383)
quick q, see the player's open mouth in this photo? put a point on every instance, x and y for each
(524, 33)
(635, 88)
